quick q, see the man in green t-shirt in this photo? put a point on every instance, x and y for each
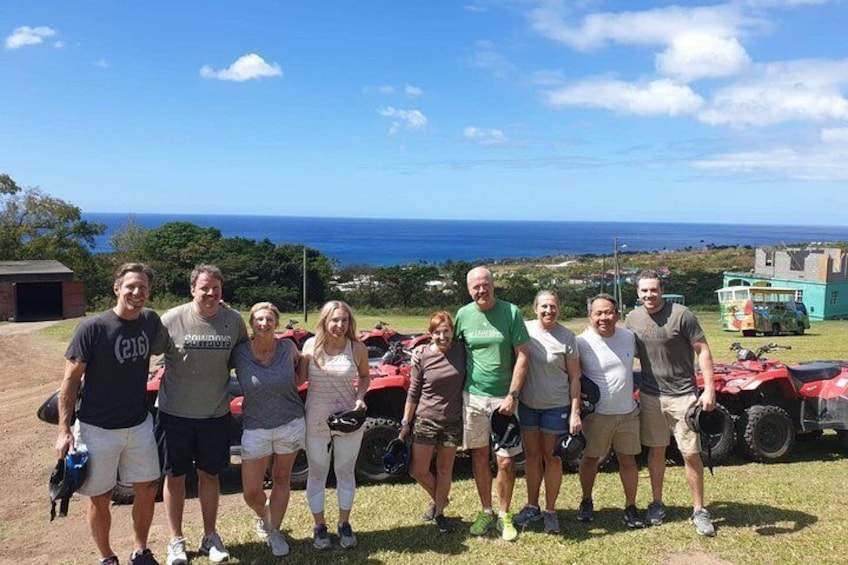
(496, 342)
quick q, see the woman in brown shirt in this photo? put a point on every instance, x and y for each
(435, 401)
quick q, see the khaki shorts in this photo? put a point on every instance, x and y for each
(621, 431)
(130, 452)
(282, 440)
(664, 414)
(476, 410)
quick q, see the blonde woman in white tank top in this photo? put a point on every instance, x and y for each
(332, 361)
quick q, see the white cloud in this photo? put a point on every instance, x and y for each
(800, 90)
(59, 44)
(409, 119)
(807, 164)
(386, 89)
(487, 57)
(26, 35)
(412, 91)
(101, 63)
(691, 56)
(659, 26)
(659, 97)
(247, 67)
(835, 135)
(484, 136)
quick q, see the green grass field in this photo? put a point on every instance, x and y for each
(783, 513)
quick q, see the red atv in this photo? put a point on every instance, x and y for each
(772, 404)
(292, 332)
(385, 398)
(379, 339)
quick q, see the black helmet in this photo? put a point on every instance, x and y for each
(70, 472)
(347, 421)
(570, 447)
(505, 431)
(591, 395)
(707, 423)
(396, 457)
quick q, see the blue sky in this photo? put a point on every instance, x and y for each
(731, 111)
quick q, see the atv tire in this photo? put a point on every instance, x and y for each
(300, 470)
(722, 445)
(375, 348)
(124, 494)
(775, 329)
(842, 438)
(299, 474)
(378, 432)
(800, 330)
(766, 433)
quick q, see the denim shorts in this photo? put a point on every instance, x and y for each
(552, 421)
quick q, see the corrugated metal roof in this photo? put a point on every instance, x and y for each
(48, 267)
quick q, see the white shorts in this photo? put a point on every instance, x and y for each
(128, 452)
(476, 429)
(282, 440)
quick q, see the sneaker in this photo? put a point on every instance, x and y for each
(346, 538)
(631, 517)
(528, 514)
(141, 557)
(321, 537)
(277, 543)
(551, 522)
(112, 560)
(703, 522)
(176, 552)
(261, 528)
(431, 511)
(506, 527)
(213, 547)
(656, 513)
(483, 522)
(443, 524)
(586, 512)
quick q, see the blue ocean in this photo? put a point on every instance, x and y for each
(374, 241)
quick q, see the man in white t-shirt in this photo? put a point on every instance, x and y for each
(606, 358)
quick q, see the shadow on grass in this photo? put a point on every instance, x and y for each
(764, 519)
(420, 538)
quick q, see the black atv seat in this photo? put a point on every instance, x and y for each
(814, 371)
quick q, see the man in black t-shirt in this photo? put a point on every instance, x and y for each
(110, 354)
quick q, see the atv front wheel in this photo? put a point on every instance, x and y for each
(378, 432)
(842, 438)
(800, 330)
(300, 470)
(766, 433)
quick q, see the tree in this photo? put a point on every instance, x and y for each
(174, 249)
(405, 285)
(36, 226)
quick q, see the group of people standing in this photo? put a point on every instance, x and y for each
(487, 359)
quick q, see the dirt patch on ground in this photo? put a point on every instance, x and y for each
(694, 558)
(30, 369)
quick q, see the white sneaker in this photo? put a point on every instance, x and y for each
(277, 543)
(177, 552)
(261, 528)
(213, 547)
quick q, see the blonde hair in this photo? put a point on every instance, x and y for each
(321, 329)
(263, 306)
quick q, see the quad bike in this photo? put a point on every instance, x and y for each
(772, 404)
(385, 399)
(292, 332)
(379, 339)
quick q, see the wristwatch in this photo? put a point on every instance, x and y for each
(404, 423)
(514, 394)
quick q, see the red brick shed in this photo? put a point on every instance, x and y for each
(39, 290)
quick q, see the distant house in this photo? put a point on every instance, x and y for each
(818, 275)
(39, 290)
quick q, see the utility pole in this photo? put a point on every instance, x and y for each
(305, 315)
(616, 285)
